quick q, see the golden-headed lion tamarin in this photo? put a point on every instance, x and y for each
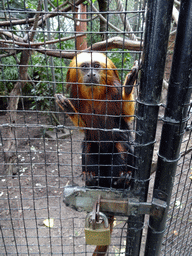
(102, 107)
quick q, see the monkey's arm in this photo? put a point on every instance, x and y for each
(66, 105)
(128, 94)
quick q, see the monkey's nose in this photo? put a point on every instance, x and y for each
(91, 75)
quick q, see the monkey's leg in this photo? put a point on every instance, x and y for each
(66, 105)
(101, 250)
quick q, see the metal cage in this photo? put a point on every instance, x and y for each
(138, 174)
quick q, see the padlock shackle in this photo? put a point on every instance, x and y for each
(102, 215)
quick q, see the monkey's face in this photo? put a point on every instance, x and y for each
(90, 73)
(92, 68)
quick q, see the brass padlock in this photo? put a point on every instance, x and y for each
(99, 233)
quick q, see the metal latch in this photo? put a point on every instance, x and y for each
(119, 203)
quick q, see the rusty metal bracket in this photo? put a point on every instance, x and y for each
(119, 203)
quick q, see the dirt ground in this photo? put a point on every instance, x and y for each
(44, 166)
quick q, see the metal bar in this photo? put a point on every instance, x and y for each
(158, 21)
(175, 118)
(111, 202)
(83, 199)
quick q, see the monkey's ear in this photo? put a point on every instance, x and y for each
(131, 78)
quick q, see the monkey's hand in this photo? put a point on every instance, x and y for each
(66, 105)
(131, 78)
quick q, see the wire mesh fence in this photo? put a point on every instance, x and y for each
(41, 148)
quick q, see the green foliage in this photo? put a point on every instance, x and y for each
(66, 45)
(14, 3)
(41, 89)
(18, 8)
(32, 4)
(8, 74)
(122, 60)
(94, 37)
(41, 74)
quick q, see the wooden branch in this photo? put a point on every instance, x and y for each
(56, 53)
(115, 42)
(33, 44)
(11, 35)
(51, 4)
(7, 55)
(16, 22)
(6, 48)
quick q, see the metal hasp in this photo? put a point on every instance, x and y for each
(111, 202)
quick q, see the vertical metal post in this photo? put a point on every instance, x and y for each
(158, 21)
(178, 100)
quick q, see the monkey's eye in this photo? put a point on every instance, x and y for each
(96, 65)
(85, 65)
